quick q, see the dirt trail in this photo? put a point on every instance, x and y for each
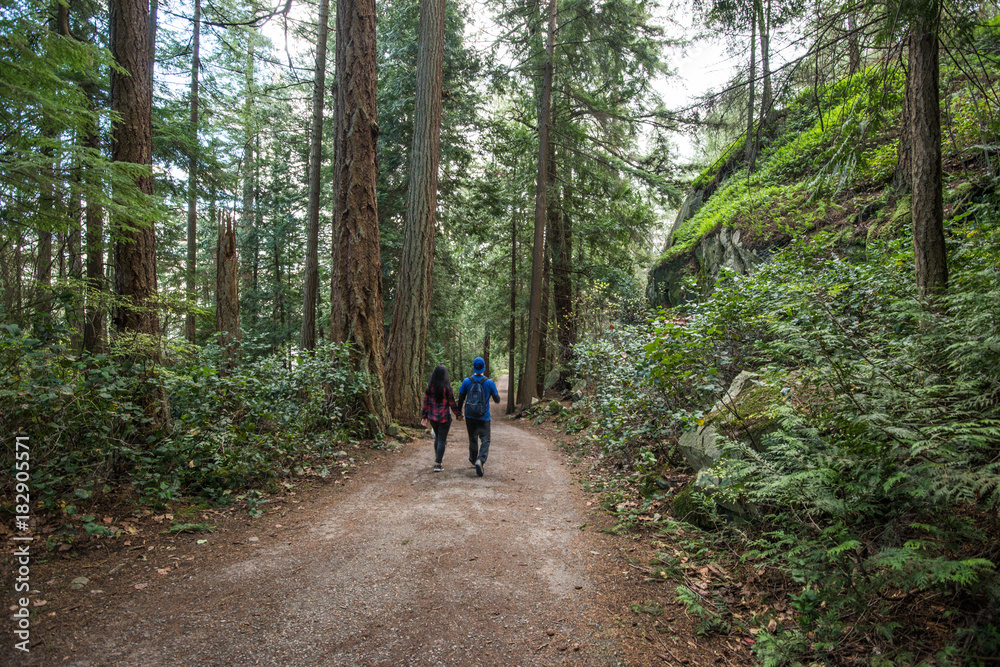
(408, 567)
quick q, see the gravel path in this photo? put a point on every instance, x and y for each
(409, 567)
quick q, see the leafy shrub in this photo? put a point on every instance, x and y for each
(88, 430)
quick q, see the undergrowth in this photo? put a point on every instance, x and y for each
(876, 493)
(88, 432)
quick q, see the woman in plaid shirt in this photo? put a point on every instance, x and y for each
(439, 402)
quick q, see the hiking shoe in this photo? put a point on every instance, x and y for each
(479, 467)
(437, 467)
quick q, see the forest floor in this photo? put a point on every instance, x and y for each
(397, 566)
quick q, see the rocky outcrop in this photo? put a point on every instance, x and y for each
(745, 414)
(692, 202)
(684, 278)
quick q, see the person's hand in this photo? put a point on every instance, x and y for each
(423, 422)
(459, 416)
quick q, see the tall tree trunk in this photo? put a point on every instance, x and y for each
(853, 43)
(154, 6)
(135, 246)
(511, 336)
(751, 144)
(307, 336)
(74, 311)
(562, 293)
(543, 315)
(927, 207)
(764, 19)
(527, 387)
(93, 331)
(357, 270)
(42, 293)
(227, 302)
(190, 329)
(411, 313)
(250, 233)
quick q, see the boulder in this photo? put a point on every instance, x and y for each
(744, 413)
(553, 377)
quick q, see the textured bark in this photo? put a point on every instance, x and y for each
(307, 335)
(763, 19)
(529, 382)
(926, 204)
(135, 247)
(190, 332)
(42, 293)
(902, 178)
(853, 44)
(512, 334)
(154, 6)
(562, 293)
(543, 315)
(227, 301)
(357, 271)
(411, 310)
(132, 142)
(247, 215)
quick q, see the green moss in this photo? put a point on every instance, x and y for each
(687, 509)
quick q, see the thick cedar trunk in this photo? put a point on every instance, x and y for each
(135, 245)
(307, 335)
(543, 315)
(412, 307)
(527, 387)
(357, 268)
(227, 302)
(190, 331)
(135, 248)
(93, 331)
(154, 6)
(927, 207)
(512, 334)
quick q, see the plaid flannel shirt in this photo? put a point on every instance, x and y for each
(436, 410)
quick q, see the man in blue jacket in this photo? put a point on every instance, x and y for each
(475, 393)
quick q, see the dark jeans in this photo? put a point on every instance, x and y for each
(440, 438)
(479, 429)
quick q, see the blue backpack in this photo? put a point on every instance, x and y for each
(477, 403)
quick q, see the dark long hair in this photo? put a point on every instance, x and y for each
(440, 382)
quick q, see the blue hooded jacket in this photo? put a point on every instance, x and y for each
(478, 368)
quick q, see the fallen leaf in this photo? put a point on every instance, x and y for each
(163, 570)
(772, 625)
(39, 603)
(107, 519)
(139, 587)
